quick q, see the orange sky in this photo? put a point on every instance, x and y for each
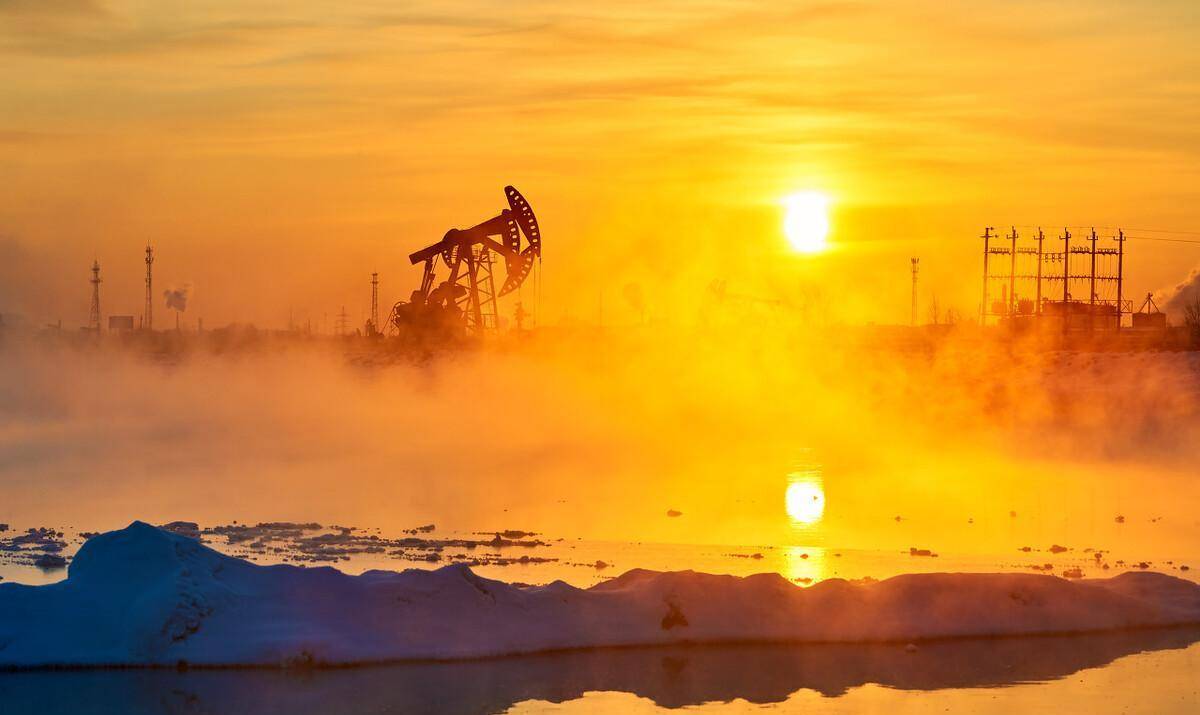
(278, 152)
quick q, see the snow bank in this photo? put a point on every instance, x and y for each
(145, 596)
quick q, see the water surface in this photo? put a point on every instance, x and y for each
(1130, 672)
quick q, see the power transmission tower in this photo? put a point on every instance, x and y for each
(915, 261)
(94, 315)
(148, 311)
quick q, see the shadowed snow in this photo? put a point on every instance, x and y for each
(143, 596)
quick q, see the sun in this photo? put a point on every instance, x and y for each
(806, 221)
(805, 501)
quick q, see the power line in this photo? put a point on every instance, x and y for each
(1140, 230)
(1160, 238)
(1164, 230)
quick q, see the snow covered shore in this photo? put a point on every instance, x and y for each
(144, 596)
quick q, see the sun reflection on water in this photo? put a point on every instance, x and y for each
(804, 498)
(804, 564)
(804, 501)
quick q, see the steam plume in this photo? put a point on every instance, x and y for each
(177, 298)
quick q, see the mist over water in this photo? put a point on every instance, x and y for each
(964, 445)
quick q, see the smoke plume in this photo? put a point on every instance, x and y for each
(1175, 299)
(177, 298)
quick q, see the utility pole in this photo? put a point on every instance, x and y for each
(915, 262)
(1041, 237)
(1066, 238)
(1120, 272)
(1012, 274)
(94, 314)
(987, 237)
(148, 311)
(1092, 287)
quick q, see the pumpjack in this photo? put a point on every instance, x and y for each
(466, 301)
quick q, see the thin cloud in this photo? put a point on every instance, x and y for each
(50, 8)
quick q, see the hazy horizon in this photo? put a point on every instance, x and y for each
(278, 153)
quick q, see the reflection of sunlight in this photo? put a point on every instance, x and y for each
(805, 497)
(804, 564)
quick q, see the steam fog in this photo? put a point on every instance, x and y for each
(1175, 300)
(962, 443)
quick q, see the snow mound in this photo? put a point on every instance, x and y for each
(146, 596)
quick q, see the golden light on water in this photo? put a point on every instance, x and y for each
(806, 221)
(804, 565)
(805, 499)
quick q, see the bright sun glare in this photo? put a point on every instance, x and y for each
(806, 221)
(805, 501)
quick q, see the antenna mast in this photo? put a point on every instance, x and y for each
(148, 311)
(94, 315)
(374, 303)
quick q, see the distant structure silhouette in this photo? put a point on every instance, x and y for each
(341, 324)
(373, 326)
(120, 323)
(915, 267)
(94, 314)
(1088, 267)
(148, 311)
(1149, 316)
